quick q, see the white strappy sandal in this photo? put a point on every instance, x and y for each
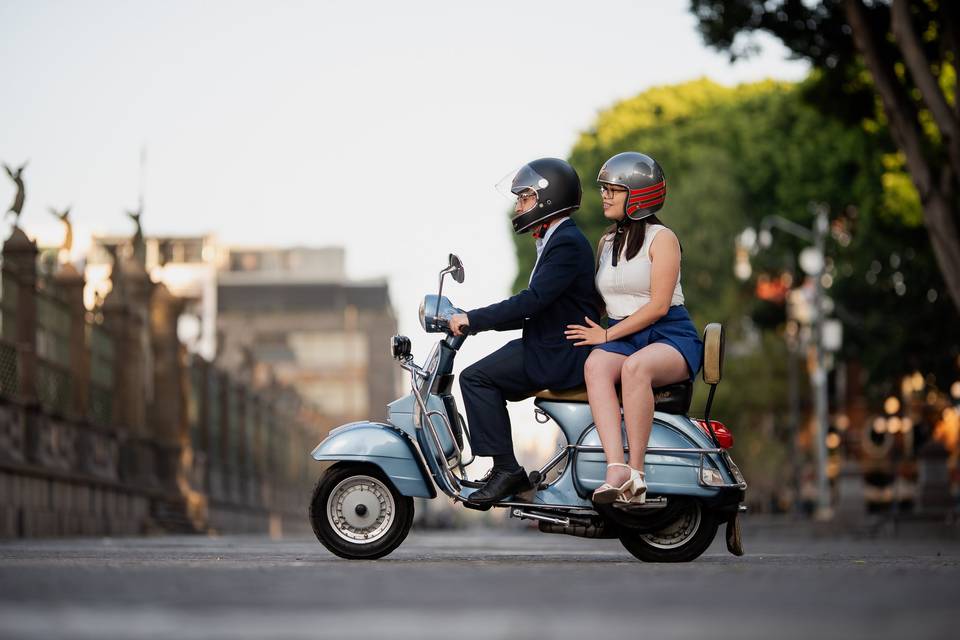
(634, 489)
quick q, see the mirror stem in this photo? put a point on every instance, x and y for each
(436, 313)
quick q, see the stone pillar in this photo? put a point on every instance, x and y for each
(167, 423)
(125, 325)
(20, 256)
(184, 507)
(124, 315)
(139, 293)
(71, 283)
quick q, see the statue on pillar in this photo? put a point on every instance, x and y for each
(17, 205)
(139, 246)
(117, 290)
(67, 247)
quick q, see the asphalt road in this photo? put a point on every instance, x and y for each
(478, 584)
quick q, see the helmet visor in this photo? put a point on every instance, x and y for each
(522, 187)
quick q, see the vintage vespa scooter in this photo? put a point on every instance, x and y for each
(362, 506)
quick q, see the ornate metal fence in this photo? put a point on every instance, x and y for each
(214, 417)
(9, 374)
(53, 352)
(58, 360)
(195, 406)
(101, 373)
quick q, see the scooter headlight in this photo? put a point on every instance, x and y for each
(435, 313)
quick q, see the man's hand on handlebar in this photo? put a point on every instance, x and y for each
(459, 324)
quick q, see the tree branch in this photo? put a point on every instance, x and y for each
(916, 61)
(948, 21)
(906, 133)
(939, 215)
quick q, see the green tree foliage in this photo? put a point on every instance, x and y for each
(735, 155)
(895, 58)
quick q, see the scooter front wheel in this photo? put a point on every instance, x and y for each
(357, 513)
(682, 540)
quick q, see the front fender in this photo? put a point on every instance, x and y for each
(381, 444)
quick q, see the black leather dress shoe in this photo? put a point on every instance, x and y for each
(501, 485)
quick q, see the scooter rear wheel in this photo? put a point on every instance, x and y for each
(358, 514)
(682, 540)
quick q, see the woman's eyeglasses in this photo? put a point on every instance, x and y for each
(610, 192)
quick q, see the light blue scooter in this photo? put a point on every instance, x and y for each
(362, 506)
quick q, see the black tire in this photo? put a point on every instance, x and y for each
(335, 527)
(682, 540)
(643, 520)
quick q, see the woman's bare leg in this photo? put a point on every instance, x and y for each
(602, 372)
(655, 365)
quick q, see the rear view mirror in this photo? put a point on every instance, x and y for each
(456, 268)
(713, 339)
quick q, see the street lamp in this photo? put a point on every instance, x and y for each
(812, 262)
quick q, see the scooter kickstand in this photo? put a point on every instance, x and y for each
(734, 537)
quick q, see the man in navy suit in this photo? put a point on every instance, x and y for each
(561, 292)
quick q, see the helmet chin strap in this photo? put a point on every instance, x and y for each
(618, 239)
(540, 230)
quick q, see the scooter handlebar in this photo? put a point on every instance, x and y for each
(455, 342)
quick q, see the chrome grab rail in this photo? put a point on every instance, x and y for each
(446, 422)
(453, 483)
(436, 436)
(594, 449)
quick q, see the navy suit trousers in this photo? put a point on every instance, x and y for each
(486, 386)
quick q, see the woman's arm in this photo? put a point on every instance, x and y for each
(664, 269)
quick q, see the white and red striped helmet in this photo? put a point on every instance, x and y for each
(643, 178)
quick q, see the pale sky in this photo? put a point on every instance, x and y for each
(378, 126)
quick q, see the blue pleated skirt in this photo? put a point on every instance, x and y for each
(675, 329)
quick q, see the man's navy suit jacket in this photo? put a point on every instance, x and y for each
(561, 292)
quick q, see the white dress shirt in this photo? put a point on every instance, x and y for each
(542, 243)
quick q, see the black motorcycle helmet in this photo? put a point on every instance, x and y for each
(643, 178)
(554, 185)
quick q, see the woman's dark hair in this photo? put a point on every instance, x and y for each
(634, 232)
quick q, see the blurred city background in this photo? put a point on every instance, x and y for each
(220, 212)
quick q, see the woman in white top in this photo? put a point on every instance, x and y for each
(650, 340)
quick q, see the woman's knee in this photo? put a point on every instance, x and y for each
(636, 370)
(596, 370)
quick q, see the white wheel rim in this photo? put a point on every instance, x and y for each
(678, 532)
(361, 509)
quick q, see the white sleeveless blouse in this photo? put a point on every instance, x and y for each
(626, 287)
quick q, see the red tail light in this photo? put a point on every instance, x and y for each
(724, 437)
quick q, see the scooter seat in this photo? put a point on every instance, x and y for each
(672, 398)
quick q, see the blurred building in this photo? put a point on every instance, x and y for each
(291, 314)
(275, 314)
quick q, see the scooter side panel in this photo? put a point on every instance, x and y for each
(571, 417)
(383, 445)
(401, 412)
(674, 474)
